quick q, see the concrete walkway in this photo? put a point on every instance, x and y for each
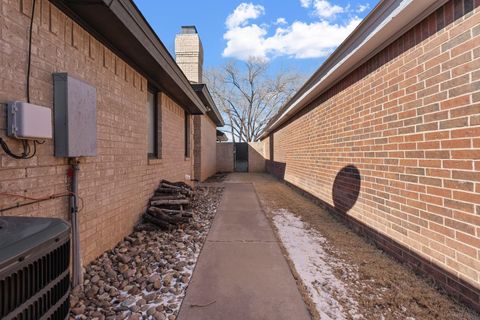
(241, 273)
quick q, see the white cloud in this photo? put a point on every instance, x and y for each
(362, 7)
(280, 21)
(308, 40)
(325, 9)
(306, 3)
(243, 13)
(299, 40)
(245, 42)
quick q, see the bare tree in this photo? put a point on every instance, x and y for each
(248, 95)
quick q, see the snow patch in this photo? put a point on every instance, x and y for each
(317, 268)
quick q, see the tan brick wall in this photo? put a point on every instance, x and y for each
(409, 120)
(209, 147)
(256, 160)
(189, 56)
(205, 138)
(116, 184)
(225, 157)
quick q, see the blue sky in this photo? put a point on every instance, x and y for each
(297, 33)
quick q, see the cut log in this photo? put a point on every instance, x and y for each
(169, 202)
(171, 213)
(184, 188)
(178, 184)
(168, 197)
(185, 213)
(158, 214)
(158, 222)
(146, 227)
(162, 190)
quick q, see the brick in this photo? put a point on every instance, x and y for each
(461, 247)
(466, 68)
(465, 89)
(416, 139)
(430, 181)
(430, 163)
(457, 225)
(466, 154)
(457, 40)
(455, 62)
(465, 133)
(465, 111)
(115, 185)
(468, 239)
(455, 102)
(411, 128)
(467, 197)
(459, 185)
(458, 164)
(455, 82)
(440, 154)
(456, 144)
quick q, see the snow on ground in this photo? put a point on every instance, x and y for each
(316, 267)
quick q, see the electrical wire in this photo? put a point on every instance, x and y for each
(26, 154)
(39, 199)
(29, 61)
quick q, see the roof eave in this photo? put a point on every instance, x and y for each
(120, 26)
(388, 21)
(212, 111)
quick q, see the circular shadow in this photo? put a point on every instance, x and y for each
(346, 188)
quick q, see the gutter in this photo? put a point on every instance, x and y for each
(387, 22)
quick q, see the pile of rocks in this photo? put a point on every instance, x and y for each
(145, 276)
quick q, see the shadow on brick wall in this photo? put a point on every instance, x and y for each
(345, 193)
(346, 188)
(276, 168)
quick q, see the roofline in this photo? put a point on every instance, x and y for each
(206, 97)
(387, 22)
(136, 43)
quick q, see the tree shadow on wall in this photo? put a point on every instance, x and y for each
(346, 188)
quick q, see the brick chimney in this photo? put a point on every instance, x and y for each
(189, 53)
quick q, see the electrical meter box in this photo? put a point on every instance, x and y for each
(28, 121)
(75, 109)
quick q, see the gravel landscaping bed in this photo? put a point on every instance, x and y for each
(145, 276)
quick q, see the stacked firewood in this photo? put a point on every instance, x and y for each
(170, 206)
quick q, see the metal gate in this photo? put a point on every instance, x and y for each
(241, 157)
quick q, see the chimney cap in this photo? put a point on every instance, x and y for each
(189, 29)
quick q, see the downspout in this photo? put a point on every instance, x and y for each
(77, 278)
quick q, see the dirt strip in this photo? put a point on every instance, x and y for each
(358, 281)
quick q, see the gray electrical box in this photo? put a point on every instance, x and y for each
(75, 109)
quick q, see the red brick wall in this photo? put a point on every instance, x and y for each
(116, 184)
(409, 121)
